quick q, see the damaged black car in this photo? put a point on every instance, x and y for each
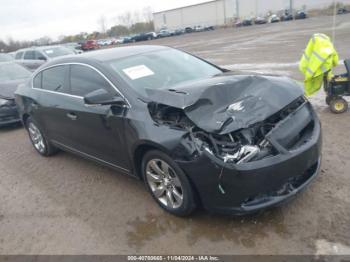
(196, 134)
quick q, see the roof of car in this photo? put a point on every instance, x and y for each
(38, 48)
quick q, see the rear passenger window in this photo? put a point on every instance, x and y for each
(84, 80)
(19, 55)
(37, 81)
(54, 79)
(29, 55)
(39, 56)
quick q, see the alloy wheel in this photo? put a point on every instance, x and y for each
(164, 183)
(36, 137)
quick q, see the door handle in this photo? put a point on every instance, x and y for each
(72, 116)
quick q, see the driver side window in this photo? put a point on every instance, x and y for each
(84, 80)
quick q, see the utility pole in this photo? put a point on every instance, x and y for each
(291, 7)
(334, 20)
(225, 18)
(237, 9)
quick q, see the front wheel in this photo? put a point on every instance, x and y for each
(338, 105)
(38, 139)
(168, 184)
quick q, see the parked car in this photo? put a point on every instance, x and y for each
(105, 42)
(179, 31)
(260, 21)
(119, 40)
(342, 11)
(11, 75)
(287, 17)
(164, 33)
(90, 45)
(188, 29)
(245, 22)
(34, 57)
(274, 19)
(5, 57)
(209, 28)
(198, 28)
(193, 132)
(127, 39)
(151, 35)
(75, 47)
(143, 37)
(300, 15)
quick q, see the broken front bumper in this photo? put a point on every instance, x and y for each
(246, 188)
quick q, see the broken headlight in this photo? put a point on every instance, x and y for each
(237, 147)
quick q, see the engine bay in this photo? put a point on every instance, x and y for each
(241, 146)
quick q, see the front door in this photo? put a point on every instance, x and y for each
(97, 130)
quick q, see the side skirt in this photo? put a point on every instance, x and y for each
(95, 159)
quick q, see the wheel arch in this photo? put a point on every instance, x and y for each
(25, 116)
(140, 150)
(146, 146)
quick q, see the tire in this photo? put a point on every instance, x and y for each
(171, 190)
(329, 99)
(38, 139)
(338, 105)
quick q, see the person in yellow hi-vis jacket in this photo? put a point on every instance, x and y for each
(317, 62)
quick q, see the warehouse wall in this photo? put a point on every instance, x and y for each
(220, 12)
(207, 14)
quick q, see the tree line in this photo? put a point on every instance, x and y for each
(125, 24)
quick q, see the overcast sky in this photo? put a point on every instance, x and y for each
(31, 19)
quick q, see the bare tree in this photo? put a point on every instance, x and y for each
(136, 16)
(103, 24)
(126, 19)
(45, 40)
(147, 13)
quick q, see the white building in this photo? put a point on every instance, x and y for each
(220, 12)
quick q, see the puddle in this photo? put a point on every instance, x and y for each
(243, 231)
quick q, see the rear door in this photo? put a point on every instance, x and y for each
(31, 59)
(51, 107)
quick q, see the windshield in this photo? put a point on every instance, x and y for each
(57, 51)
(162, 69)
(12, 71)
(5, 58)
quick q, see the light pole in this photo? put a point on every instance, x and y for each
(334, 20)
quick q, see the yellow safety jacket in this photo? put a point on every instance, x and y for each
(317, 62)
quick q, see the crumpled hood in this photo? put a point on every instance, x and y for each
(8, 88)
(227, 103)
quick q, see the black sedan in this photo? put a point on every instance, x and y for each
(195, 133)
(11, 75)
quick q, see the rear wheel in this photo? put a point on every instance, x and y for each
(338, 105)
(168, 184)
(38, 139)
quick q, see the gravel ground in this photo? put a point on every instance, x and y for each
(68, 205)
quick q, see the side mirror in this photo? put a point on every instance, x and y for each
(42, 58)
(102, 97)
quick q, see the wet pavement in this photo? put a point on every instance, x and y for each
(68, 205)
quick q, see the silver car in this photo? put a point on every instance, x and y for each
(34, 57)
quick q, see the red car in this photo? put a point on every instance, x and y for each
(90, 45)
